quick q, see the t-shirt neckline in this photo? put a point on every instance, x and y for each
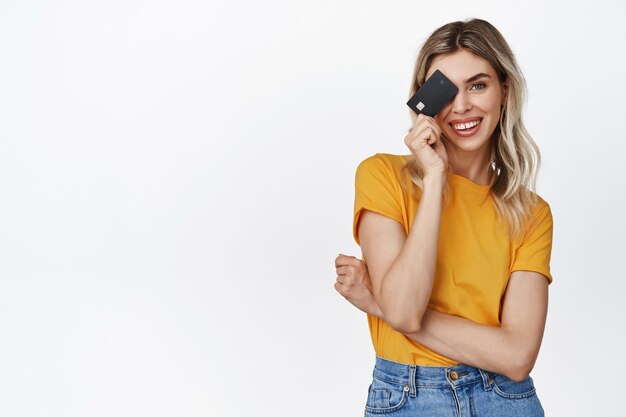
(459, 179)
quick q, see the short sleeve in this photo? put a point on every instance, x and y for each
(536, 248)
(375, 190)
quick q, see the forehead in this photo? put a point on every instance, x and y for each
(460, 65)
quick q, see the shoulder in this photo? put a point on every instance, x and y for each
(540, 216)
(540, 207)
(386, 163)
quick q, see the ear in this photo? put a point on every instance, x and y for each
(505, 90)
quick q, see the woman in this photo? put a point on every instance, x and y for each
(456, 247)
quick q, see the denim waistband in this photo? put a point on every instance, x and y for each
(430, 376)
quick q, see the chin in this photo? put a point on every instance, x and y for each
(467, 144)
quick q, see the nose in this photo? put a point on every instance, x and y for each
(461, 103)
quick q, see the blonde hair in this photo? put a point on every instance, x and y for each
(514, 156)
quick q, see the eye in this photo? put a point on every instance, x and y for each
(483, 85)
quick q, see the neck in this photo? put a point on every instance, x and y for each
(476, 168)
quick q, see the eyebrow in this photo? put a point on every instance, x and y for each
(477, 76)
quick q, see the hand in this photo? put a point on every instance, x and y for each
(355, 285)
(424, 141)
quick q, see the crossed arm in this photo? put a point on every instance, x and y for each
(510, 349)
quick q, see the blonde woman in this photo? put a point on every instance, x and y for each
(455, 244)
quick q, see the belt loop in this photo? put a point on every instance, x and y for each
(486, 379)
(412, 390)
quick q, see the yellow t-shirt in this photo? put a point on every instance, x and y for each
(475, 256)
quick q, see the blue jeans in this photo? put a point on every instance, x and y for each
(399, 390)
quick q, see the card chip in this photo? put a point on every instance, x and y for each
(420, 106)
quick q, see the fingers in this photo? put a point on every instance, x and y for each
(350, 270)
(424, 124)
(345, 283)
(342, 260)
(425, 136)
(356, 271)
(421, 119)
(424, 140)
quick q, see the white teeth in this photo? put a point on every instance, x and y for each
(465, 126)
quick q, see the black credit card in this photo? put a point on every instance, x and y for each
(433, 95)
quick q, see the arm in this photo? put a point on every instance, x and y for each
(402, 268)
(510, 349)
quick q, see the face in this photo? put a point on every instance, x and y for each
(479, 99)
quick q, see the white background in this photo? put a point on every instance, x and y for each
(176, 179)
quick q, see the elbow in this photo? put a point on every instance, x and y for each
(407, 328)
(517, 375)
(401, 317)
(407, 324)
(521, 367)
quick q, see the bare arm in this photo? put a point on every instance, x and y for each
(510, 349)
(402, 268)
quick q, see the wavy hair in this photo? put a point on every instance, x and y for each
(514, 156)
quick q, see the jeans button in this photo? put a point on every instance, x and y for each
(453, 375)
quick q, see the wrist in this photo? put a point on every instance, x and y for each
(434, 181)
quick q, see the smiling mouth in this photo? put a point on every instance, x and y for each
(464, 127)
